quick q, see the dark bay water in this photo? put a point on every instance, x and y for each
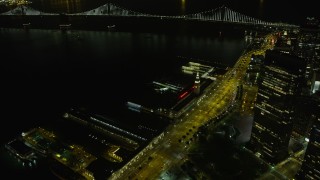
(45, 72)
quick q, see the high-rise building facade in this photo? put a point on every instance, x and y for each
(305, 114)
(281, 79)
(311, 163)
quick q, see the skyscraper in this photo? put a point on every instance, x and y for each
(281, 79)
(311, 163)
(305, 113)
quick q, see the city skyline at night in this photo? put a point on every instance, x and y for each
(181, 89)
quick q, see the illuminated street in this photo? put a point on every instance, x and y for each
(285, 169)
(171, 146)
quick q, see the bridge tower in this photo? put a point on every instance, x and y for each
(197, 85)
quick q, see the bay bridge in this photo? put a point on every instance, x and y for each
(221, 14)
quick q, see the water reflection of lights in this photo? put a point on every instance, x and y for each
(183, 6)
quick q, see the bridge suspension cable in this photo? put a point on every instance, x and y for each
(220, 14)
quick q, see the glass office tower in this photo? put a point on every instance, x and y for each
(282, 78)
